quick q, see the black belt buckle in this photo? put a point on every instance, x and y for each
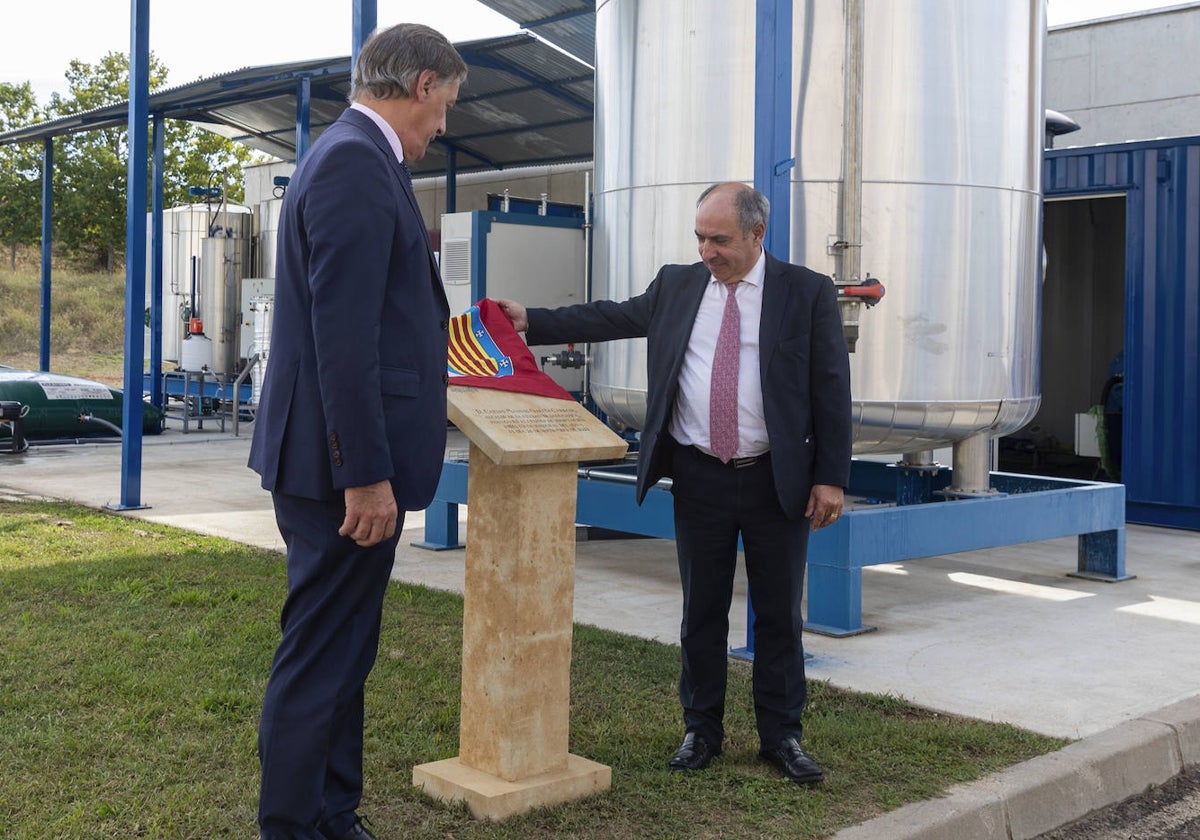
(742, 463)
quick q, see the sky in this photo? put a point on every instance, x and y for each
(39, 38)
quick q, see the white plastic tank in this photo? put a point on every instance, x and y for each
(196, 353)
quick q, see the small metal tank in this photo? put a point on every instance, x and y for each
(952, 120)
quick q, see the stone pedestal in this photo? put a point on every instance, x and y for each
(518, 605)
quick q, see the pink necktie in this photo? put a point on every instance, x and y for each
(723, 399)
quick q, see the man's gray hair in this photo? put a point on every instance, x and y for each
(751, 206)
(391, 60)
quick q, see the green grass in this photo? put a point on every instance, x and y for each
(87, 321)
(134, 656)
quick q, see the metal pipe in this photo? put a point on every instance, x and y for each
(587, 271)
(237, 389)
(849, 250)
(923, 458)
(972, 465)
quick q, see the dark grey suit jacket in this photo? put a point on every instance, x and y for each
(803, 362)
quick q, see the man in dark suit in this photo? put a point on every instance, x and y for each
(351, 423)
(748, 411)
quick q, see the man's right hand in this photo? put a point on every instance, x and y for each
(515, 313)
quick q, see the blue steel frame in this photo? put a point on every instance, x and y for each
(1023, 509)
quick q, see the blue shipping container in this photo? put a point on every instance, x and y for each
(1160, 439)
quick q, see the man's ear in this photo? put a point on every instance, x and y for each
(426, 82)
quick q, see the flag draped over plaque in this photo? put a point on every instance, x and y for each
(486, 352)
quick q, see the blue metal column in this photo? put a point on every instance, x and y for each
(303, 113)
(452, 180)
(156, 270)
(47, 241)
(365, 16)
(441, 517)
(135, 255)
(772, 152)
(773, 119)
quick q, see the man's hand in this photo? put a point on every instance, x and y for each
(824, 505)
(515, 313)
(370, 514)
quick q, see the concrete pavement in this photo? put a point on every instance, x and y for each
(999, 634)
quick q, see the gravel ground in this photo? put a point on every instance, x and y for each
(1170, 812)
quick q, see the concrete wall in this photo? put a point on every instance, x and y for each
(1129, 77)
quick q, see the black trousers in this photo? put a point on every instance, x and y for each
(714, 504)
(310, 739)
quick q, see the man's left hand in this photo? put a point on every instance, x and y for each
(824, 505)
(371, 514)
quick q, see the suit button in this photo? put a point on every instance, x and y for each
(445, 325)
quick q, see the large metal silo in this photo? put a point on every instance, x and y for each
(945, 171)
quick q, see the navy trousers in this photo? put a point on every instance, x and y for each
(310, 739)
(714, 504)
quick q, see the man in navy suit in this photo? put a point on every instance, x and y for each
(351, 423)
(777, 474)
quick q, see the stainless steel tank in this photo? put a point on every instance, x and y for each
(186, 228)
(223, 265)
(266, 233)
(951, 106)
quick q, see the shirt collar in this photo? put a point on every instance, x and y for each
(756, 274)
(389, 133)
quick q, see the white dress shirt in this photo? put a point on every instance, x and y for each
(388, 132)
(690, 418)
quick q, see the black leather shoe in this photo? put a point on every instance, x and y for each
(694, 754)
(358, 831)
(796, 764)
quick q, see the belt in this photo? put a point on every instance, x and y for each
(732, 463)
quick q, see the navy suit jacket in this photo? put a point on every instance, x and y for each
(803, 365)
(355, 389)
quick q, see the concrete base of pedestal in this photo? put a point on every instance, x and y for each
(493, 798)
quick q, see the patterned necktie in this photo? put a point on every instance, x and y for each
(723, 399)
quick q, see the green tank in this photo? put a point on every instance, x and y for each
(57, 406)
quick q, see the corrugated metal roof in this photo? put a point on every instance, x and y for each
(568, 24)
(524, 103)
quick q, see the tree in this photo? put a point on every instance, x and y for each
(20, 172)
(91, 171)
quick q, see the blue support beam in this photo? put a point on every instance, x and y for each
(1024, 509)
(303, 115)
(452, 180)
(135, 255)
(47, 241)
(441, 517)
(773, 159)
(156, 269)
(364, 19)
